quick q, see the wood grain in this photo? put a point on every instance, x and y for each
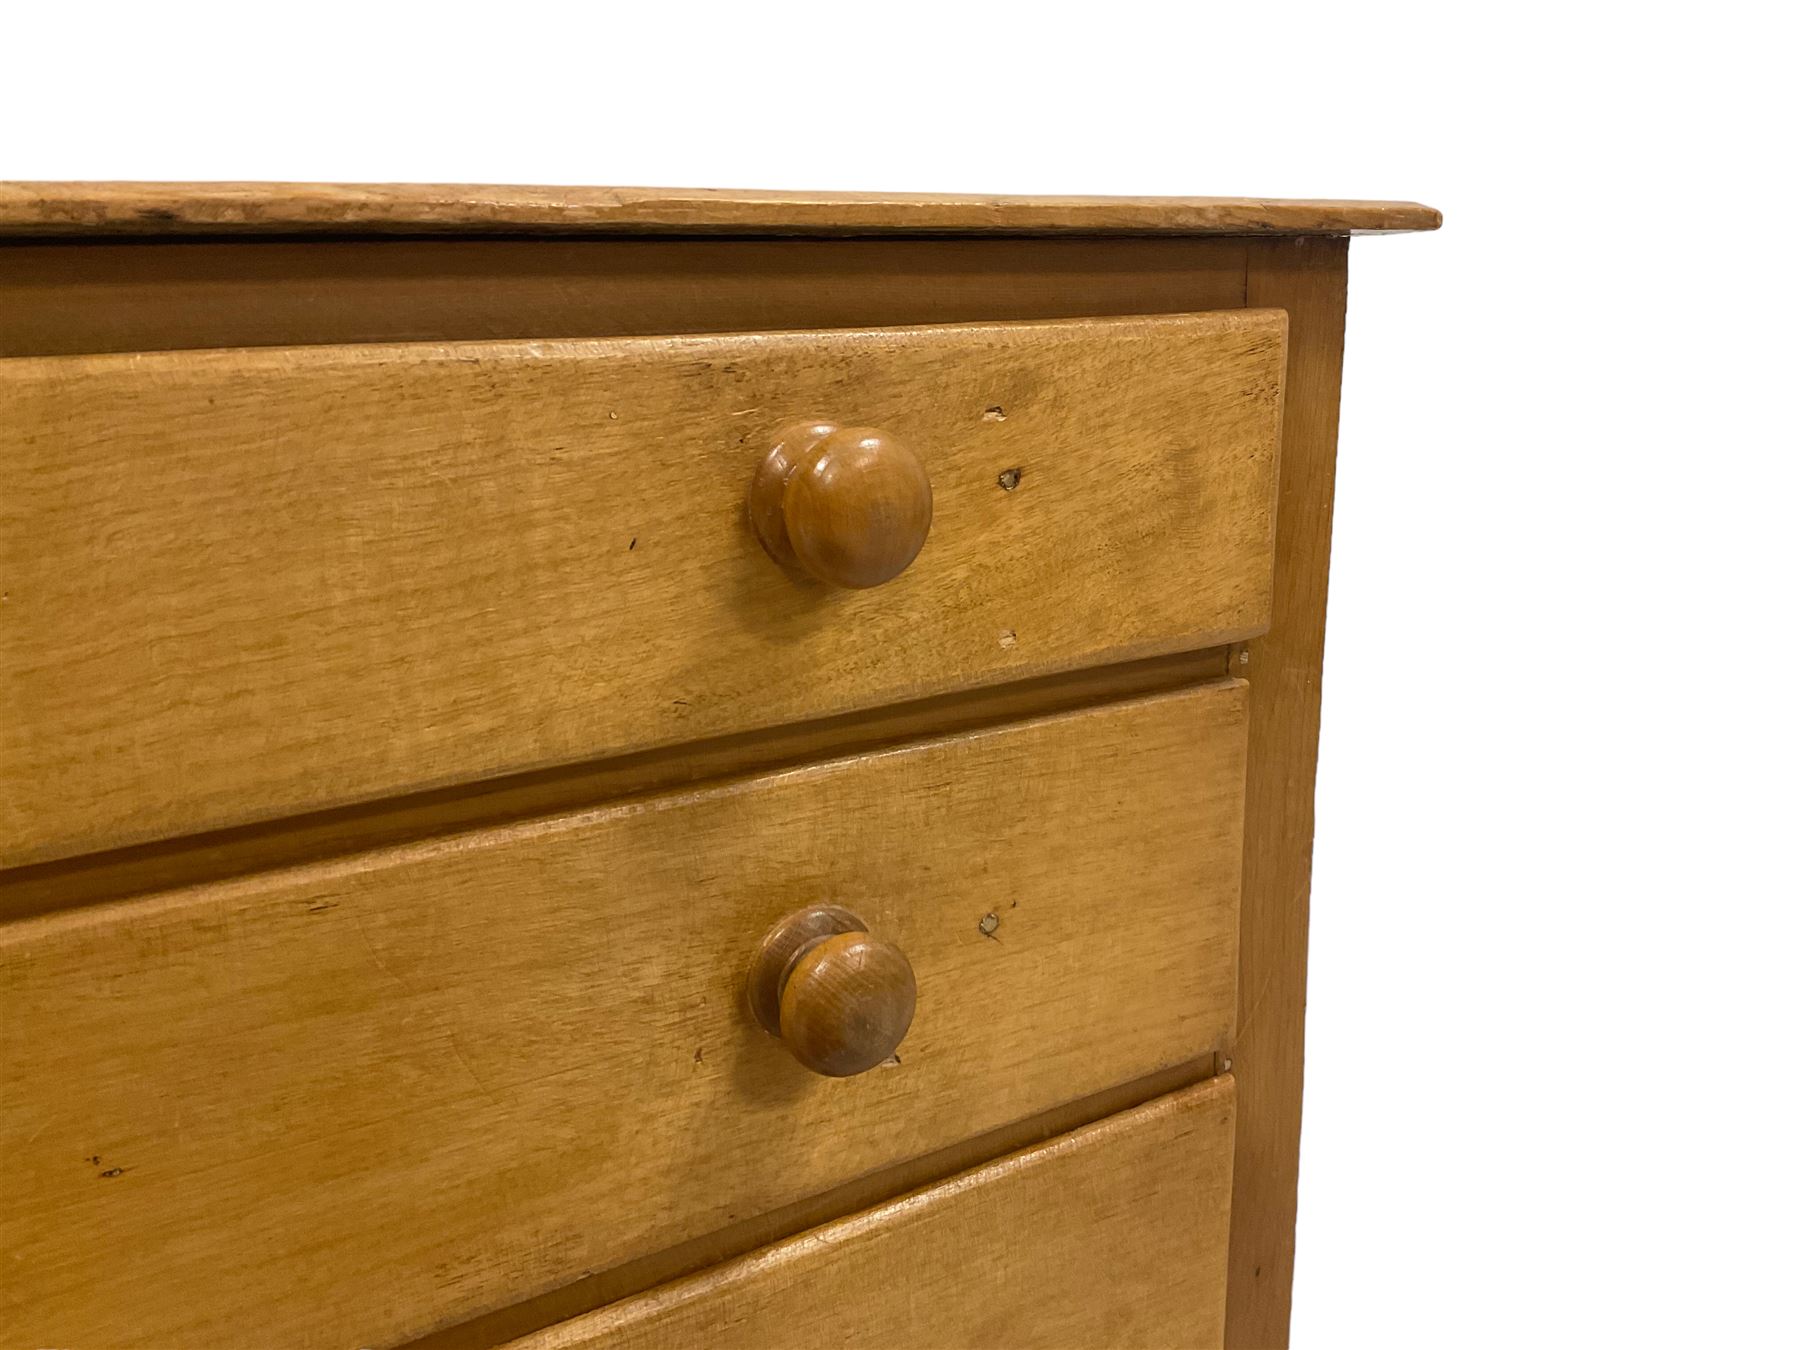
(31, 209)
(246, 584)
(360, 1100)
(1307, 279)
(173, 294)
(1111, 1236)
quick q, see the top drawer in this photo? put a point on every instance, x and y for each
(236, 585)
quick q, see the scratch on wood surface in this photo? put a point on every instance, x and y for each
(462, 1059)
(1250, 1006)
(374, 954)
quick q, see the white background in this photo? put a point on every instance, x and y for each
(1552, 1024)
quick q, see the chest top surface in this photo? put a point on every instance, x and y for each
(53, 209)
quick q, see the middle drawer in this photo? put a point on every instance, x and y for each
(350, 1102)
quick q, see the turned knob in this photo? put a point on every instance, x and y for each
(848, 505)
(840, 999)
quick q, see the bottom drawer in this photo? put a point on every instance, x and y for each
(1112, 1235)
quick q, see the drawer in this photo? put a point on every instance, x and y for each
(354, 1101)
(1114, 1235)
(244, 584)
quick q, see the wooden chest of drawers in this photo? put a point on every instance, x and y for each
(447, 634)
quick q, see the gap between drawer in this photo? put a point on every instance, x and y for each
(44, 888)
(609, 1286)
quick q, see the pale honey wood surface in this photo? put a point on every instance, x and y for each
(40, 208)
(1111, 1236)
(1306, 278)
(70, 298)
(243, 584)
(355, 1101)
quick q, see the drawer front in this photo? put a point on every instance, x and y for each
(246, 584)
(1114, 1235)
(354, 1101)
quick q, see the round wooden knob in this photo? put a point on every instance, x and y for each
(848, 505)
(840, 999)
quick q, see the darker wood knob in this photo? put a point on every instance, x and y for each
(841, 999)
(848, 505)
